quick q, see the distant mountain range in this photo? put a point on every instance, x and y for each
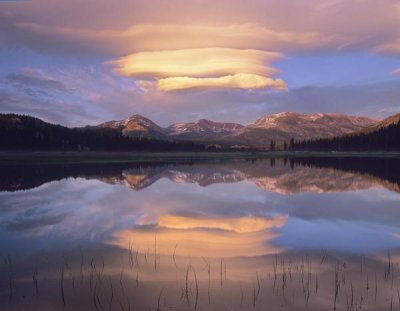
(309, 131)
(278, 127)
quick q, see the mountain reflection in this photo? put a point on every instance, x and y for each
(286, 176)
(279, 179)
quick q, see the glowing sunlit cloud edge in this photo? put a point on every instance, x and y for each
(236, 81)
(200, 63)
(202, 68)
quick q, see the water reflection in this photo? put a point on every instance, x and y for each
(207, 236)
(279, 175)
(197, 236)
(269, 178)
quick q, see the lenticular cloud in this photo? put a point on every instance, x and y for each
(203, 68)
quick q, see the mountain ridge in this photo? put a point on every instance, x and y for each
(30, 132)
(391, 120)
(279, 127)
(381, 136)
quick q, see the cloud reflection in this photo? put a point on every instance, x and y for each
(191, 236)
(313, 206)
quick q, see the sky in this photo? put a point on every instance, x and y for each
(84, 62)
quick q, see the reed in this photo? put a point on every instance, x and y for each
(197, 290)
(35, 281)
(187, 284)
(353, 285)
(62, 284)
(10, 279)
(111, 294)
(221, 273)
(155, 252)
(159, 299)
(82, 262)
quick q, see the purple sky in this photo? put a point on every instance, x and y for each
(77, 63)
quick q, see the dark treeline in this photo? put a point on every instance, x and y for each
(384, 168)
(385, 138)
(19, 132)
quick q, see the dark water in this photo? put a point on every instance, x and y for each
(272, 234)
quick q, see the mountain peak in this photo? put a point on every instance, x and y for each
(205, 121)
(136, 126)
(284, 114)
(136, 116)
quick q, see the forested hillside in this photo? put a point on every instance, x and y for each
(19, 132)
(384, 136)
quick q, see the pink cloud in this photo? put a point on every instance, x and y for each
(396, 71)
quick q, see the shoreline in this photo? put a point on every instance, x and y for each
(59, 157)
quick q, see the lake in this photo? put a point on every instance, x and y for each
(267, 234)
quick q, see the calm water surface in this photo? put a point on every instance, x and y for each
(276, 234)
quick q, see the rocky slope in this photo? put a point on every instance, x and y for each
(203, 130)
(136, 126)
(392, 120)
(287, 125)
